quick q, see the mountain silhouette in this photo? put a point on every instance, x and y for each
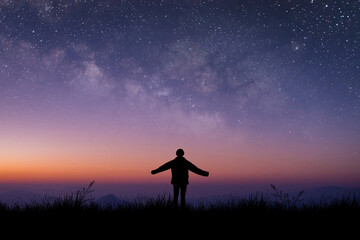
(110, 200)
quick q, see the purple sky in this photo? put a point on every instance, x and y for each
(254, 91)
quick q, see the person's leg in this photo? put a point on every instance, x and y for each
(176, 195)
(183, 194)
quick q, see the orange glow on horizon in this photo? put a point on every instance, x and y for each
(114, 158)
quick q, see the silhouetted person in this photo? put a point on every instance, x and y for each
(180, 174)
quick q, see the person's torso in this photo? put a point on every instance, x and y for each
(180, 171)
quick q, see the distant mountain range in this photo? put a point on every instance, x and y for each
(334, 189)
(330, 191)
(20, 196)
(110, 200)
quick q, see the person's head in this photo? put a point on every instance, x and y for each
(180, 152)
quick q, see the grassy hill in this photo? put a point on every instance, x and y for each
(256, 214)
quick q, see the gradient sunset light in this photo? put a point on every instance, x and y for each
(253, 91)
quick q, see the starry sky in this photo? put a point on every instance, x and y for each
(253, 91)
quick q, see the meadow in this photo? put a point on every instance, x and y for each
(259, 214)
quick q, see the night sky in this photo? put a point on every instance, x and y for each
(253, 91)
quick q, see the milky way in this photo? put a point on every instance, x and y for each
(258, 69)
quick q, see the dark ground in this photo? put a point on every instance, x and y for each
(158, 218)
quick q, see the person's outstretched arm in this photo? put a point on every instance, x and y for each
(197, 170)
(162, 168)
